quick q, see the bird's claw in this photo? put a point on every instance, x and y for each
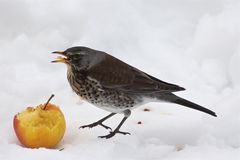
(104, 126)
(94, 125)
(111, 134)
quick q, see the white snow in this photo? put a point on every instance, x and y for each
(195, 44)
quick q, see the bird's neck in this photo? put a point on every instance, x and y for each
(77, 72)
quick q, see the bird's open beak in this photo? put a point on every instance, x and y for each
(60, 58)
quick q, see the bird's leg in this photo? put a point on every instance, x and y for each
(127, 113)
(99, 123)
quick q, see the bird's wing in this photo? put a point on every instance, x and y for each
(115, 74)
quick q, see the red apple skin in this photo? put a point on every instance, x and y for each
(18, 130)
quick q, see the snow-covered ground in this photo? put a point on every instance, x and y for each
(193, 43)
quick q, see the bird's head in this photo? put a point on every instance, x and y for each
(77, 57)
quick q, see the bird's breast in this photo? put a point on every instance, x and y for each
(84, 87)
(92, 91)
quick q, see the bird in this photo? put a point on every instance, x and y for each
(115, 86)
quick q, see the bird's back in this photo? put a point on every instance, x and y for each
(116, 74)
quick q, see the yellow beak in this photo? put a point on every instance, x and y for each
(60, 59)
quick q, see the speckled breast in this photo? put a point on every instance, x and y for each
(108, 99)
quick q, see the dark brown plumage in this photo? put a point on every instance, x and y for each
(113, 73)
(115, 86)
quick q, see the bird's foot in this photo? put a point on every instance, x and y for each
(94, 125)
(111, 134)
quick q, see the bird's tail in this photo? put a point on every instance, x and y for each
(192, 105)
(178, 100)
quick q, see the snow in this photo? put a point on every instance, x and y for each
(195, 44)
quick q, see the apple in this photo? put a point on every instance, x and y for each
(42, 126)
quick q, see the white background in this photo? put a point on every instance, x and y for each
(192, 43)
